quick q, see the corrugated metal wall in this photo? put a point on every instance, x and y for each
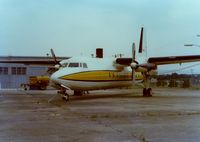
(14, 81)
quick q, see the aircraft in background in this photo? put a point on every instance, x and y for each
(83, 74)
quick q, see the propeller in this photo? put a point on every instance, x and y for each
(144, 67)
(55, 58)
(133, 51)
(134, 62)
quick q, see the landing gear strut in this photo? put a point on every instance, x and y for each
(64, 94)
(147, 91)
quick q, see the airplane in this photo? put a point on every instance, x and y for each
(83, 74)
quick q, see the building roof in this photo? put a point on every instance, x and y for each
(33, 60)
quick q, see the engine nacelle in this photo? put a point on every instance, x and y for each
(141, 69)
(149, 66)
(133, 65)
(153, 72)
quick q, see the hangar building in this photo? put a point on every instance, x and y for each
(12, 75)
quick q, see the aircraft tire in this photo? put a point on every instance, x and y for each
(144, 92)
(149, 92)
(65, 97)
(78, 93)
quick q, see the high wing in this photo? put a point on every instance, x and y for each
(152, 62)
(162, 60)
(173, 59)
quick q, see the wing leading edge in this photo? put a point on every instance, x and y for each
(173, 59)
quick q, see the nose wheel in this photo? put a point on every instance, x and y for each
(65, 97)
(64, 94)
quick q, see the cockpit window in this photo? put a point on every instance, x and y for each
(65, 64)
(73, 65)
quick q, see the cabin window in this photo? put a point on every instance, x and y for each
(84, 65)
(73, 65)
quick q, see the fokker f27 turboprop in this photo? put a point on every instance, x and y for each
(84, 74)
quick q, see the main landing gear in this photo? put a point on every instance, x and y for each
(147, 91)
(78, 93)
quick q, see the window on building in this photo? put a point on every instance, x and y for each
(14, 70)
(3, 70)
(23, 71)
(18, 70)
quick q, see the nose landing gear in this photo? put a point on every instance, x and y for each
(64, 94)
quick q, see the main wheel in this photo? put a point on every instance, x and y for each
(144, 92)
(149, 92)
(78, 93)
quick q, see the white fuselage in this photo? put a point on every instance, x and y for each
(92, 74)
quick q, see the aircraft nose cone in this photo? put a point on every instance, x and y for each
(54, 77)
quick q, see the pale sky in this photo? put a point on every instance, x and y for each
(77, 27)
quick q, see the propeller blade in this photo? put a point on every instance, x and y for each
(54, 57)
(141, 40)
(133, 64)
(133, 52)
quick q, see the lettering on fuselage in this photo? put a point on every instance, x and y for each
(120, 75)
(100, 75)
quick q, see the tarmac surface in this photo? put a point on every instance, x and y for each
(120, 115)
